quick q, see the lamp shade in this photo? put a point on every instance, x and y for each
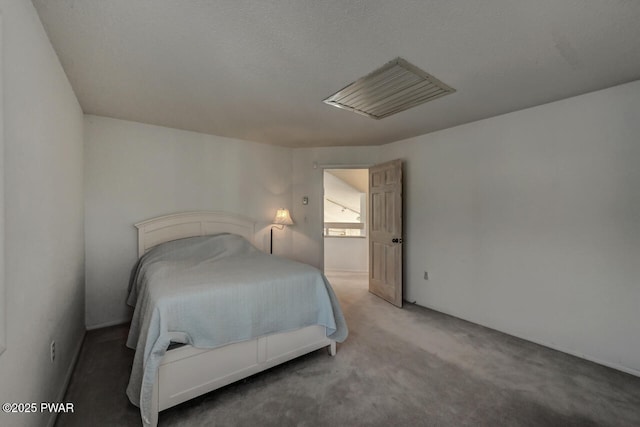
(283, 217)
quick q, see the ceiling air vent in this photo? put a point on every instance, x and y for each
(394, 87)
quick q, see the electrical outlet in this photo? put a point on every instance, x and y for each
(426, 275)
(52, 352)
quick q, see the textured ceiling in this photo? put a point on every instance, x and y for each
(259, 70)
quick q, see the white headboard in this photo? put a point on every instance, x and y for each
(154, 231)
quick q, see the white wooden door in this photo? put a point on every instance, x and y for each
(385, 231)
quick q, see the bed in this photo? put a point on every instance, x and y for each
(233, 310)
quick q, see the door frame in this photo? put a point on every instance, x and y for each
(322, 169)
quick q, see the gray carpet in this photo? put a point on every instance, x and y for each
(400, 367)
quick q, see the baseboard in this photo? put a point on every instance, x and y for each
(611, 365)
(107, 324)
(67, 379)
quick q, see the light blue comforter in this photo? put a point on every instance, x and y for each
(216, 290)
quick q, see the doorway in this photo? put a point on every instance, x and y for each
(345, 225)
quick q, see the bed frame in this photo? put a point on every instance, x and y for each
(187, 371)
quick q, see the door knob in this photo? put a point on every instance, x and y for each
(396, 240)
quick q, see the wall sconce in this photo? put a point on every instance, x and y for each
(282, 218)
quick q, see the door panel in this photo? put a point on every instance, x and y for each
(385, 233)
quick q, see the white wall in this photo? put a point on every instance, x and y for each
(307, 181)
(529, 223)
(2, 287)
(135, 172)
(346, 254)
(44, 249)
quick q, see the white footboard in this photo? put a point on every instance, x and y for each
(187, 372)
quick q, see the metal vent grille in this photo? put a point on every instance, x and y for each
(394, 87)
